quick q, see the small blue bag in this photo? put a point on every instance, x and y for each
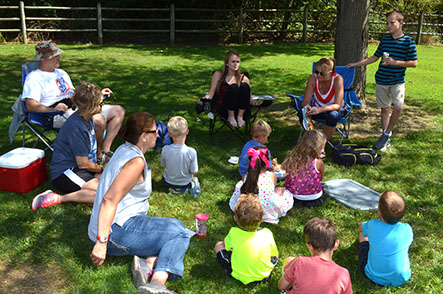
(163, 135)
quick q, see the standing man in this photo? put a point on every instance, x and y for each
(49, 88)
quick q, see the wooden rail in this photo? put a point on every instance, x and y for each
(166, 21)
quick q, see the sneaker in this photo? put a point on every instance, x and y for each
(382, 142)
(387, 145)
(140, 271)
(178, 190)
(106, 156)
(45, 199)
(195, 188)
(305, 122)
(154, 289)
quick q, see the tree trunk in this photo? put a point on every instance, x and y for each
(286, 18)
(351, 40)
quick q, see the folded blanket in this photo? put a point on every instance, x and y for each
(352, 194)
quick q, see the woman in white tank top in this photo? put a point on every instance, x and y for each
(324, 95)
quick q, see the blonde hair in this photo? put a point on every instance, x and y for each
(87, 98)
(392, 206)
(325, 64)
(225, 70)
(307, 148)
(397, 14)
(260, 128)
(249, 212)
(177, 126)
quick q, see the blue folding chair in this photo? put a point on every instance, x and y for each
(349, 97)
(38, 122)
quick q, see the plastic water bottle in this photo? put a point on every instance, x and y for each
(385, 54)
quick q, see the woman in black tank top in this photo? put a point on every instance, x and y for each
(231, 91)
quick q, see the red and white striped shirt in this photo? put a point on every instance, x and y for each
(321, 100)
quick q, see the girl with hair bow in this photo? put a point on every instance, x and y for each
(261, 182)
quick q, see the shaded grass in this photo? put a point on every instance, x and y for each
(166, 82)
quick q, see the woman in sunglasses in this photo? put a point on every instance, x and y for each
(74, 170)
(323, 97)
(119, 225)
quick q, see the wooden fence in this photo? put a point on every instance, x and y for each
(238, 22)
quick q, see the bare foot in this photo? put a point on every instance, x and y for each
(232, 121)
(241, 122)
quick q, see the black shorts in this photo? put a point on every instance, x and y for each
(363, 251)
(224, 258)
(175, 186)
(309, 203)
(72, 180)
(67, 102)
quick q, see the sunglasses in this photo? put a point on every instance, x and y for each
(321, 73)
(152, 131)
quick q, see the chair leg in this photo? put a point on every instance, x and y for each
(23, 133)
(300, 134)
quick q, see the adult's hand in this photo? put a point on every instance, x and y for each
(61, 107)
(313, 111)
(256, 102)
(98, 254)
(106, 92)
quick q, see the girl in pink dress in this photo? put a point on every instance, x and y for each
(261, 182)
(304, 170)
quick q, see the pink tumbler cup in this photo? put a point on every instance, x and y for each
(201, 224)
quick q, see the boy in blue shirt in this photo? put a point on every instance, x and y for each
(260, 131)
(398, 52)
(384, 243)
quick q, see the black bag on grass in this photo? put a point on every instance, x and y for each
(351, 154)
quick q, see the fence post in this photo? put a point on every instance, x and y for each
(420, 27)
(305, 23)
(99, 23)
(23, 21)
(240, 23)
(172, 24)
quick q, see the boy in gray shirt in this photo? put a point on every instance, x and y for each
(180, 161)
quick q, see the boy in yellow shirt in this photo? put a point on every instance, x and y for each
(248, 253)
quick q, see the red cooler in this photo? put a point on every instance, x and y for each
(22, 169)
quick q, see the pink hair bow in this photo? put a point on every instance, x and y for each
(262, 153)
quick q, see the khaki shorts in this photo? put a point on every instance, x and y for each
(390, 94)
(105, 111)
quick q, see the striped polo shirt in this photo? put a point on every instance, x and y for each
(403, 49)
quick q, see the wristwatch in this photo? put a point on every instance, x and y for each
(102, 239)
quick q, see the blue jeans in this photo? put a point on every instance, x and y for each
(331, 118)
(144, 236)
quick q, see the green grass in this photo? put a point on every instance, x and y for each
(167, 81)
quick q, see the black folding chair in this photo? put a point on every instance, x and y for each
(249, 117)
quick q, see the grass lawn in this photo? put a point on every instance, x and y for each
(48, 251)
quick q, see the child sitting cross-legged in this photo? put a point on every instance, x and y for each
(260, 181)
(260, 132)
(384, 243)
(304, 170)
(180, 160)
(248, 252)
(316, 273)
